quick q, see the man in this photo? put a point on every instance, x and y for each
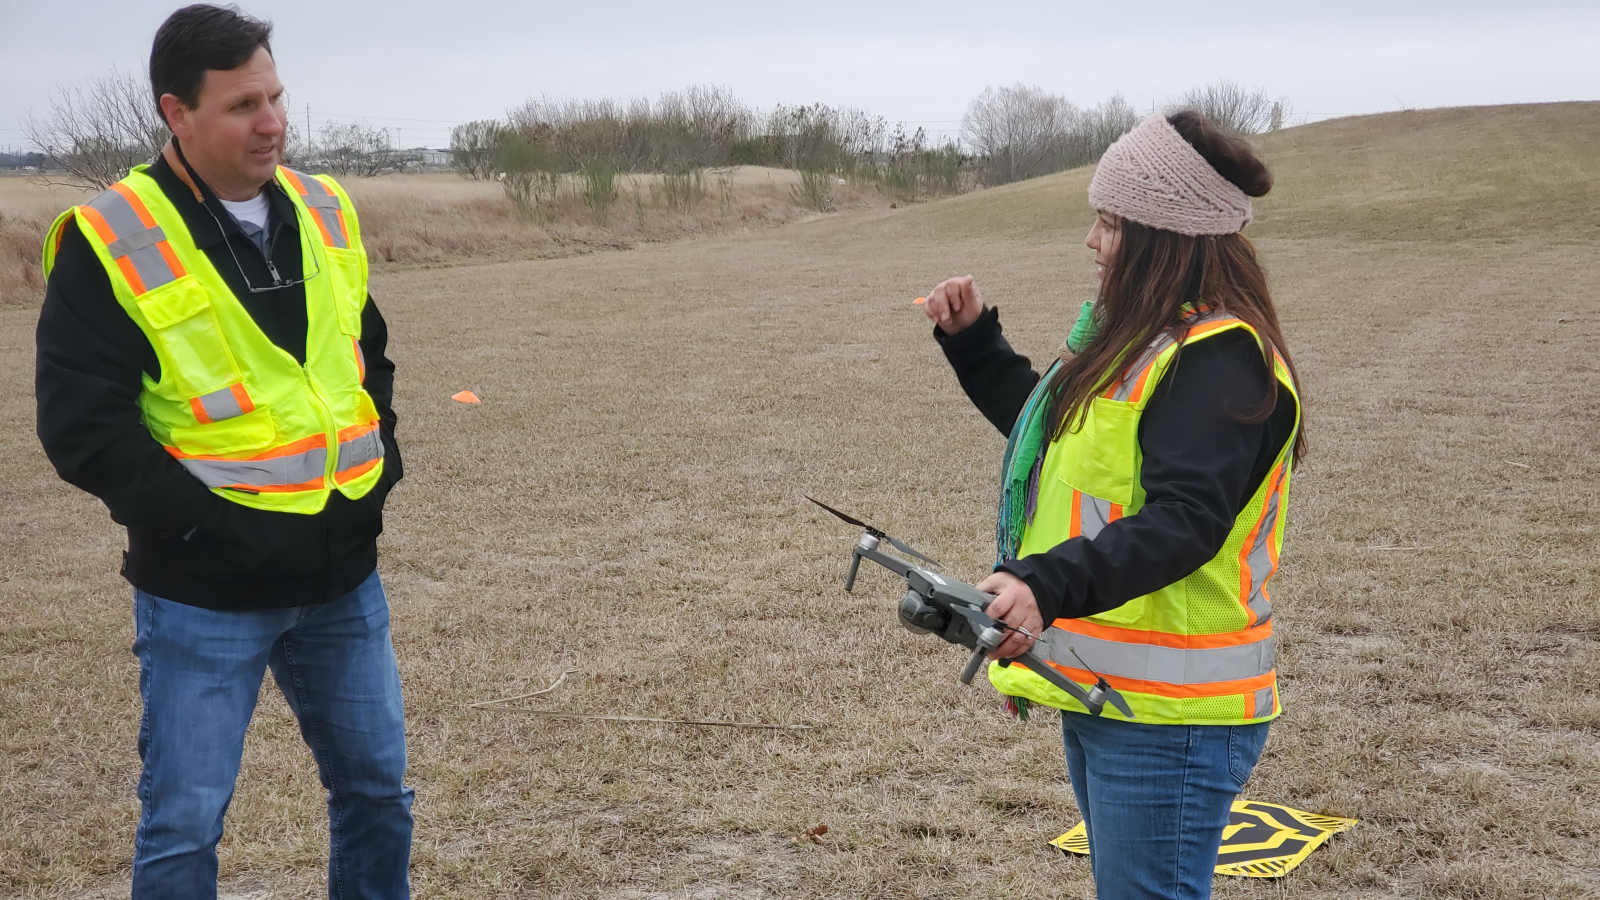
(211, 367)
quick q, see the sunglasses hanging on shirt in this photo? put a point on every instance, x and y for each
(278, 282)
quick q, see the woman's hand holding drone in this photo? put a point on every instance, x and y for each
(1014, 605)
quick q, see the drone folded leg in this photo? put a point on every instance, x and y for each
(973, 664)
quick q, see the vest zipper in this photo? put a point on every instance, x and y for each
(332, 467)
(272, 241)
(266, 255)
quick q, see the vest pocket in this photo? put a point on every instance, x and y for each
(252, 431)
(188, 338)
(348, 271)
(173, 303)
(1103, 458)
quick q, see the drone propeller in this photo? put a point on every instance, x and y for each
(877, 533)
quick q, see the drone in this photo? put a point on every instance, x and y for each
(955, 611)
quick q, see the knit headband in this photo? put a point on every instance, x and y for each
(1154, 177)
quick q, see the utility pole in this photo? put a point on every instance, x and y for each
(308, 124)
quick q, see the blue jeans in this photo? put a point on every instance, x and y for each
(200, 672)
(1155, 800)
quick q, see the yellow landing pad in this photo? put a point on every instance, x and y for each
(1262, 840)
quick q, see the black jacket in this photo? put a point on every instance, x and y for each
(1201, 466)
(185, 543)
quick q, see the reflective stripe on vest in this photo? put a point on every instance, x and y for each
(1156, 663)
(360, 448)
(325, 203)
(1262, 701)
(1090, 515)
(1259, 559)
(137, 244)
(1130, 387)
(224, 404)
(299, 466)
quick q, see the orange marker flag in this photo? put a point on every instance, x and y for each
(920, 300)
(465, 397)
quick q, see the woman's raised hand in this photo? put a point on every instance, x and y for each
(954, 304)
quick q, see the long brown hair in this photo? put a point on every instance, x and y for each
(1156, 273)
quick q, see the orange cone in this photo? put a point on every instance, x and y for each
(465, 397)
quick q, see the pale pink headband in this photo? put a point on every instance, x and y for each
(1154, 177)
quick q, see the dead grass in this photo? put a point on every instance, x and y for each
(628, 500)
(26, 211)
(443, 220)
(1473, 173)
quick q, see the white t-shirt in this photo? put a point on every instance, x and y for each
(253, 210)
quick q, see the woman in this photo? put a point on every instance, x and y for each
(1142, 501)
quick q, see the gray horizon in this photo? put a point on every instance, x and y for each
(419, 68)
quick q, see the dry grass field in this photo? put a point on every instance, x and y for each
(627, 502)
(436, 219)
(26, 211)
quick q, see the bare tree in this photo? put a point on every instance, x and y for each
(707, 121)
(1020, 129)
(97, 131)
(473, 147)
(698, 126)
(1231, 107)
(812, 137)
(353, 149)
(295, 151)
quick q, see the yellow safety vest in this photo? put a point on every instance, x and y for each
(236, 410)
(1200, 650)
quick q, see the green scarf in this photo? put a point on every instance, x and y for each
(1026, 447)
(1019, 470)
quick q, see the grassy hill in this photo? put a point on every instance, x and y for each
(1468, 173)
(1479, 173)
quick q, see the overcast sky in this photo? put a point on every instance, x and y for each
(421, 65)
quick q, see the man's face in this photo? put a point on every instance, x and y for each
(234, 135)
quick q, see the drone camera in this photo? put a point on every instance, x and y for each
(920, 616)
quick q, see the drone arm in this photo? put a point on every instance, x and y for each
(1042, 669)
(893, 563)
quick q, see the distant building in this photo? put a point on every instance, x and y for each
(11, 159)
(431, 159)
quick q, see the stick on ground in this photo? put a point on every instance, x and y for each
(481, 704)
(640, 720)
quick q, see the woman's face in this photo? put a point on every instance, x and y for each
(1104, 239)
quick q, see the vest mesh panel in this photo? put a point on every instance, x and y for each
(1209, 611)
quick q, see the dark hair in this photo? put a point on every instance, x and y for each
(1232, 157)
(199, 38)
(1157, 272)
